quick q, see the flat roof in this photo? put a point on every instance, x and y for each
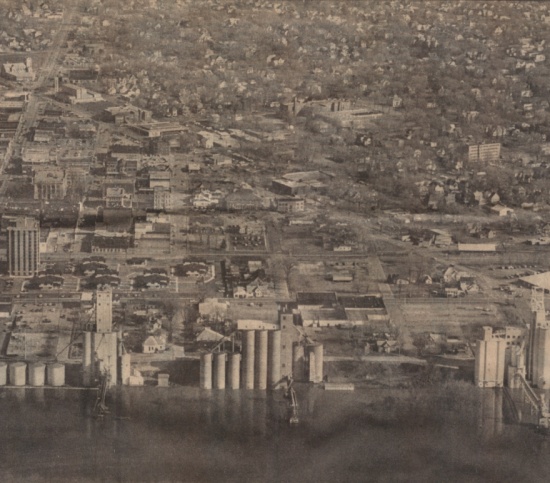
(541, 280)
(316, 298)
(362, 301)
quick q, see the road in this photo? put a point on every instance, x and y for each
(47, 70)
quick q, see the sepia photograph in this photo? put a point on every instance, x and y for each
(274, 241)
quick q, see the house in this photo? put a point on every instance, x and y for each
(453, 292)
(468, 285)
(501, 210)
(452, 275)
(479, 198)
(153, 344)
(441, 237)
(492, 197)
(386, 346)
(486, 232)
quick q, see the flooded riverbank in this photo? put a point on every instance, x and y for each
(185, 434)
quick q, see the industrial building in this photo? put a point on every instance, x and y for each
(101, 345)
(37, 374)
(490, 360)
(23, 247)
(261, 356)
(538, 355)
(270, 354)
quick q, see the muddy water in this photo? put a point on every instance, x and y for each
(165, 435)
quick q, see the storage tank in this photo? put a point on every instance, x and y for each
(56, 374)
(125, 368)
(274, 362)
(206, 371)
(261, 360)
(298, 367)
(248, 349)
(87, 375)
(3, 373)
(37, 374)
(317, 350)
(219, 370)
(18, 373)
(234, 378)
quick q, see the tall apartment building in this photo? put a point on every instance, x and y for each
(23, 247)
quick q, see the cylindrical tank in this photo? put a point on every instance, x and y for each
(3, 373)
(206, 371)
(274, 363)
(125, 368)
(37, 374)
(87, 360)
(298, 367)
(219, 370)
(318, 352)
(261, 360)
(56, 374)
(234, 371)
(248, 349)
(18, 373)
(310, 361)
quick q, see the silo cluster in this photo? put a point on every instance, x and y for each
(261, 364)
(307, 362)
(261, 359)
(220, 370)
(36, 374)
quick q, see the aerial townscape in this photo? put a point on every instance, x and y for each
(271, 241)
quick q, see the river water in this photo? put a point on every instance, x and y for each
(183, 434)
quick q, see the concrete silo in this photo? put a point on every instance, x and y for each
(18, 373)
(219, 370)
(298, 362)
(274, 362)
(3, 373)
(37, 374)
(87, 369)
(260, 381)
(56, 374)
(206, 371)
(234, 377)
(316, 363)
(248, 359)
(490, 360)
